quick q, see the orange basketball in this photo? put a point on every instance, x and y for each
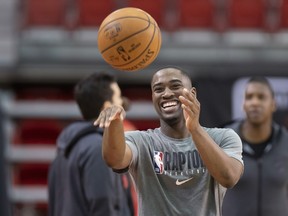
(129, 39)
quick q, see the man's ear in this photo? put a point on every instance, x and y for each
(106, 105)
(194, 91)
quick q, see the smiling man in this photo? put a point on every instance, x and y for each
(180, 168)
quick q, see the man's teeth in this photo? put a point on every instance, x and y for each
(168, 104)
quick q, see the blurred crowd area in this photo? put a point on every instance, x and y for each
(171, 15)
(46, 46)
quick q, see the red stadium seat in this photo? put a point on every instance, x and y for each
(284, 14)
(247, 14)
(155, 8)
(196, 13)
(40, 93)
(38, 131)
(45, 12)
(31, 174)
(137, 92)
(92, 12)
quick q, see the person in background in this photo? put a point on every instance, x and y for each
(263, 188)
(180, 168)
(80, 183)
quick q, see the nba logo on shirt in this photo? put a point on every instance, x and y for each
(158, 162)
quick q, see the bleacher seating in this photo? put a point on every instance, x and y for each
(38, 131)
(155, 8)
(247, 14)
(44, 13)
(31, 174)
(193, 14)
(44, 93)
(284, 15)
(32, 134)
(196, 13)
(92, 12)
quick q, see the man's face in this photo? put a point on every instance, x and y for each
(167, 85)
(116, 99)
(259, 103)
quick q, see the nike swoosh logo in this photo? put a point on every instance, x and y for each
(183, 182)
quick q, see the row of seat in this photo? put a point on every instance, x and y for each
(169, 14)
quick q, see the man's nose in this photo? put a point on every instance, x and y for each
(255, 101)
(168, 92)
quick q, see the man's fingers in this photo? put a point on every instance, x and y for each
(190, 95)
(108, 115)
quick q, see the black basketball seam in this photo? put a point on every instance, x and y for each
(149, 23)
(143, 50)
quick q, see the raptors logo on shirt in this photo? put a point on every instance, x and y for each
(178, 163)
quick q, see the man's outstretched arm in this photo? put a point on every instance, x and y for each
(115, 151)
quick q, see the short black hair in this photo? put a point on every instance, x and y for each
(263, 80)
(91, 92)
(182, 71)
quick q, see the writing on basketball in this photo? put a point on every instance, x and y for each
(122, 52)
(134, 46)
(112, 32)
(140, 64)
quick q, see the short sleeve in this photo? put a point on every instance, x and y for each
(232, 144)
(131, 141)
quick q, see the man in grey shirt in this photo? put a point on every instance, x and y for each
(180, 168)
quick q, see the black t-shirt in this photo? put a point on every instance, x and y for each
(259, 148)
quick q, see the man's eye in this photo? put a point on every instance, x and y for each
(262, 97)
(157, 89)
(248, 97)
(176, 86)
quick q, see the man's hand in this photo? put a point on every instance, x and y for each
(191, 108)
(109, 114)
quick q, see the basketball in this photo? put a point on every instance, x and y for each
(129, 39)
